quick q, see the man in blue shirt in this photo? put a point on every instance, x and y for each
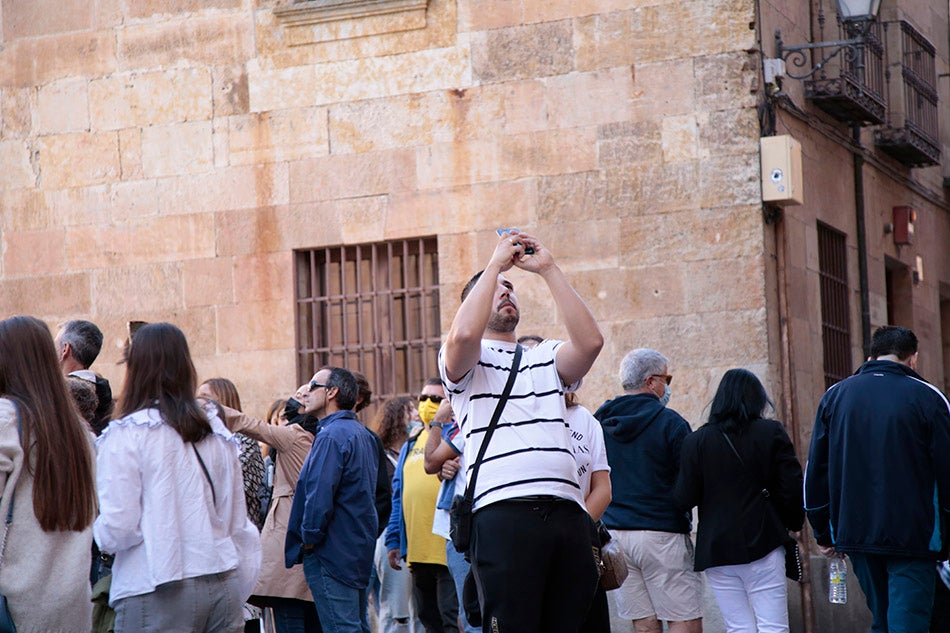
(333, 524)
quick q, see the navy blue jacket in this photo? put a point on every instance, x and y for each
(878, 474)
(643, 440)
(333, 507)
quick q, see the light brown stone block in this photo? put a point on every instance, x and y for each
(463, 209)
(692, 235)
(481, 15)
(242, 187)
(34, 253)
(44, 17)
(725, 81)
(403, 121)
(265, 277)
(212, 40)
(63, 106)
(263, 325)
(42, 296)
(594, 98)
(133, 200)
(229, 90)
(75, 160)
(35, 209)
(526, 108)
(140, 289)
(637, 293)
(260, 376)
(511, 157)
(159, 239)
(707, 292)
(665, 87)
(568, 197)
(585, 243)
(278, 136)
(16, 112)
(150, 98)
(130, 153)
(630, 143)
(178, 149)
(163, 8)
(37, 61)
(15, 168)
(672, 186)
(523, 52)
(729, 180)
(680, 138)
(603, 41)
(357, 79)
(348, 176)
(550, 10)
(207, 282)
(724, 132)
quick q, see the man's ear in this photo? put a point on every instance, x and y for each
(332, 392)
(65, 352)
(912, 361)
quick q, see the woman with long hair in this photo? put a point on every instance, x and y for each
(171, 499)
(46, 470)
(742, 472)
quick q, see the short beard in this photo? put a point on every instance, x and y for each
(502, 323)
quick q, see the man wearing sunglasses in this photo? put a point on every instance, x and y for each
(409, 533)
(643, 438)
(531, 535)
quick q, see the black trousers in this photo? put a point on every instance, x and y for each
(533, 566)
(433, 591)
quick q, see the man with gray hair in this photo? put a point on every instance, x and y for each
(643, 439)
(78, 343)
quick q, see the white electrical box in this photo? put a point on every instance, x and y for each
(781, 170)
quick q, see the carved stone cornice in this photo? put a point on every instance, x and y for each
(312, 12)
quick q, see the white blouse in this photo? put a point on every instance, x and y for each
(156, 511)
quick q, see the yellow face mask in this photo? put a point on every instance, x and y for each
(427, 410)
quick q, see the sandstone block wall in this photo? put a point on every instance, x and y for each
(163, 159)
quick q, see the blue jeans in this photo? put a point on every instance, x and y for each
(459, 567)
(295, 616)
(342, 609)
(899, 591)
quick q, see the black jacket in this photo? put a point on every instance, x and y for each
(643, 440)
(738, 522)
(879, 464)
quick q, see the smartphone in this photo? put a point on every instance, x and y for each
(527, 250)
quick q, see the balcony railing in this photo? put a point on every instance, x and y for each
(911, 134)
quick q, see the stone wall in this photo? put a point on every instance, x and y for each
(161, 160)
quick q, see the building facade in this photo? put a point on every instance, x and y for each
(300, 183)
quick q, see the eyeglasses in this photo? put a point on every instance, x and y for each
(435, 399)
(668, 378)
(314, 384)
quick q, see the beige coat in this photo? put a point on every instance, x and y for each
(44, 575)
(292, 444)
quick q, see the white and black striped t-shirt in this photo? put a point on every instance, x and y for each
(530, 452)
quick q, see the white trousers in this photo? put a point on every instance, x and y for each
(752, 597)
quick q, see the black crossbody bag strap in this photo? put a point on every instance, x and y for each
(765, 491)
(204, 469)
(515, 363)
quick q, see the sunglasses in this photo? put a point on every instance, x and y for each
(435, 399)
(668, 378)
(314, 384)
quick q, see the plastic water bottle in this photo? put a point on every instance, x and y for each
(838, 581)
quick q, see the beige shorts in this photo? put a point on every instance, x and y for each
(661, 580)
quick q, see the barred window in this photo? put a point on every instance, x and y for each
(373, 308)
(835, 311)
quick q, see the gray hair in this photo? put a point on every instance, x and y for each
(84, 338)
(640, 364)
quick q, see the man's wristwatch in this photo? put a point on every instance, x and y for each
(437, 425)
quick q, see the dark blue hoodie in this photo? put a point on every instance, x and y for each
(643, 440)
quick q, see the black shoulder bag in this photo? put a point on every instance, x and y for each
(793, 557)
(460, 514)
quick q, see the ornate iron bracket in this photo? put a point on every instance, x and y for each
(796, 57)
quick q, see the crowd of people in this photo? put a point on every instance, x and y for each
(170, 509)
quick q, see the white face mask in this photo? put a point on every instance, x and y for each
(665, 398)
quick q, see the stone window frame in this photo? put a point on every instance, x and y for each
(312, 12)
(371, 307)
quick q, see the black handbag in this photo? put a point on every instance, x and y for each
(793, 556)
(460, 513)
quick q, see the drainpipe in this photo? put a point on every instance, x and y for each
(862, 242)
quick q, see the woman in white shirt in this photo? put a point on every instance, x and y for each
(171, 499)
